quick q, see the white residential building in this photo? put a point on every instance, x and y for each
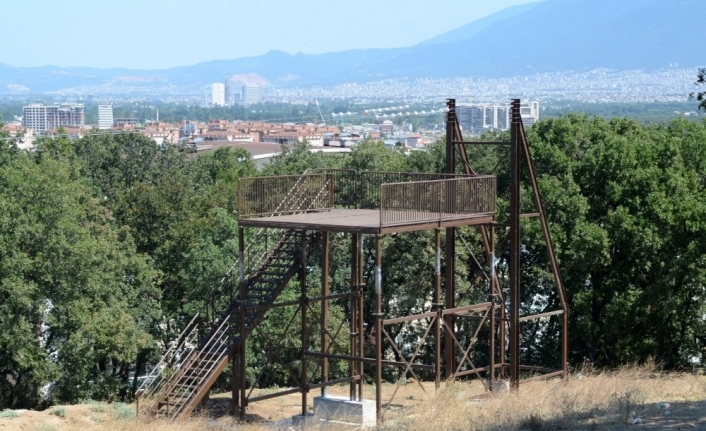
(105, 117)
(251, 94)
(218, 94)
(478, 118)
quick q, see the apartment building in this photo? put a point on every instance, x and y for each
(479, 118)
(40, 118)
(105, 117)
(218, 94)
(251, 94)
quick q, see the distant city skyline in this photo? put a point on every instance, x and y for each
(151, 34)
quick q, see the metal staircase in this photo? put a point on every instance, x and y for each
(192, 364)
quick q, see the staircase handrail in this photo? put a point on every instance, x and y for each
(155, 379)
(222, 333)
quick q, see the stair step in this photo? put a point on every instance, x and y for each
(178, 400)
(161, 404)
(208, 359)
(190, 387)
(259, 293)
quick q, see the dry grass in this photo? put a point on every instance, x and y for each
(599, 401)
(602, 401)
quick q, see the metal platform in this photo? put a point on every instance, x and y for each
(363, 221)
(366, 202)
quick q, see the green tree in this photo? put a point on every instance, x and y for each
(626, 204)
(701, 95)
(76, 300)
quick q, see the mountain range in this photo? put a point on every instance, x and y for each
(546, 36)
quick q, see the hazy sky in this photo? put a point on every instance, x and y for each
(161, 34)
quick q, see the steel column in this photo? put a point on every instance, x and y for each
(450, 294)
(550, 251)
(437, 306)
(515, 245)
(493, 299)
(324, 308)
(305, 326)
(235, 365)
(241, 323)
(352, 366)
(361, 316)
(378, 326)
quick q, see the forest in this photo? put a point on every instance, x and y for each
(109, 244)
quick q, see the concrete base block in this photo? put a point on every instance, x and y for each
(501, 386)
(332, 408)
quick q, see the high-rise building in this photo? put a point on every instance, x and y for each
(502, 114)
(228, 92)
(41, 118)
(471, 117)
(484, 117)
(251, 94)
(529, 112)
(105, 117)
(218, 94)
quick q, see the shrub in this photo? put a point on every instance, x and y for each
(9, 414)
(58, 411)
(123, 411)
(97, 407)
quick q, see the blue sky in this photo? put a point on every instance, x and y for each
(160, 34)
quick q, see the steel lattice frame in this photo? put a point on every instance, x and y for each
(500, 313)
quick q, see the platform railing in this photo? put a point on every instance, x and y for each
(305, 193)
(283, 195)
(439, 200)
(369, 183)
(346, 192)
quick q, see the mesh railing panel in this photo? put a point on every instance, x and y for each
(439, 200)
(282, 195)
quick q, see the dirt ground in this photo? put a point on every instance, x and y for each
(636, 399)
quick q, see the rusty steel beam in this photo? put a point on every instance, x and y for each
(378, 325)
(241, 328)
(475, 307)
(541, 315)
(305, 326)
(369, 360)
(323, 385)
(361, 317)
(450, 285)
(477, 370)
(515, 245)
(324, 307)
(438, 309)
(397, 320)
(352, 340)
(544, 376)
(550, 250)
(480, 143)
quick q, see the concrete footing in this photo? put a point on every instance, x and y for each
(501, 386)
(341, 409)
